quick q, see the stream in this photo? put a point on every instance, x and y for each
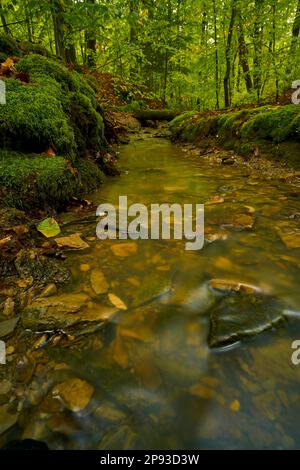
(148, 378)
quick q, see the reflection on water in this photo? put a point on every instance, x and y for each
(157, 385)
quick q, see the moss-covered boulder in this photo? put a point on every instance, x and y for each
(33, 120)
(51, 134)
(39, 181)
(268, 128)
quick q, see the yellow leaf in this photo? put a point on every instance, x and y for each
(235, 406)
(117, 302)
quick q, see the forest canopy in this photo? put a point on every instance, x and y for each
(193, 54)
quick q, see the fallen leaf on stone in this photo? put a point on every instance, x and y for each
(85, 268)
(49, 227)
(98, 282)
(250, 209)
(235, 406)
(124, 249)
(74, 242)
(215, 200)
(233, 286)
(117, 302)
(74, 393)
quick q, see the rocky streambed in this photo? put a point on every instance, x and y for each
(122, 344)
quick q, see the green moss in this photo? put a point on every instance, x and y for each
(274, 130)
(90, 176)
(92, 81)
(34, 120)
(49, 180)
(181, 121)
(79, 84)
(35, 64)
(274, 125)
(87, 123)
(57, 109)
(35, 48)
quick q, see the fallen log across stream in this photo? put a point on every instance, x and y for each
(155, 115)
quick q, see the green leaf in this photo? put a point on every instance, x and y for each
(49, 228)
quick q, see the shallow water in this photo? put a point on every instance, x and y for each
(157, 383)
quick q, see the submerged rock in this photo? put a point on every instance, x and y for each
(73, 242)
(8, 326)
(74, 393)
(124, 250)
(61, 311)
(242, 315)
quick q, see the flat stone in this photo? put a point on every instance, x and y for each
(8, 326)
(74, 393)
(73, 242)
(61, 311)
(124, 250)
(242, 315)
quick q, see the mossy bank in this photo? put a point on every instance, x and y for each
(271, 131)
(51, 132)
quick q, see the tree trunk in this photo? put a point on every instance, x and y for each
(3, 20)
(243, 57)
(90, 42)
(57, 11)
(70, 53)
(296, 29)
(155, 115)
(28, 24)
(227, 93)
(257, 36)
(217, 89)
